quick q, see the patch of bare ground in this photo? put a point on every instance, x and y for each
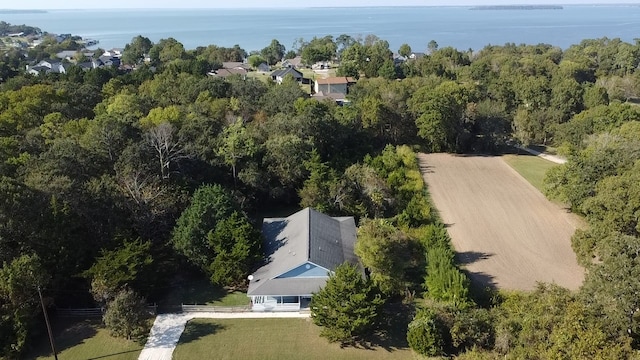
(506, 233)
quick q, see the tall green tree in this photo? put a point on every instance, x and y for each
(235, 144)
(386, 252)
(441, 115)
(116, 269)
(209, 205)
(166, 50)
(19, 304)
(444, 282)
(274, 52)
(611, 287)
(347, 307)
(237, 245)
(136, 49)
(318, 49)
(404, 50)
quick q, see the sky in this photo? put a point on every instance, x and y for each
(127, 4)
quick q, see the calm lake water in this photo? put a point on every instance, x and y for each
(253, 29)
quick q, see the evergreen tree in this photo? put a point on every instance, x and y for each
(119, 267)
(444, 282)
(347, 307)
(237, 245)
(209, 204)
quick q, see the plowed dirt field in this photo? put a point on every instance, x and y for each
(506, 233)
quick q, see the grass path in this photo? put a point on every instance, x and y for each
(532, 168)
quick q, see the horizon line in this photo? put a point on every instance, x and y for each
(326, 7)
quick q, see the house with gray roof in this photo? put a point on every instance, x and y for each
(301, 250)
(46, 66)
(296, 62)
(279, 75)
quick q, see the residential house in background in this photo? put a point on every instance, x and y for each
(223, 73)
(301, 251)
(46, 66)
(333, 85)
(296, 62)
(398, 59)
(62, 37)
(279, 75)
(115, 52)
(321, 65)
(235, 65)
(110, 61)
(67, 54)
(264, 67)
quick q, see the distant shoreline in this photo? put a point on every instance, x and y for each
(25, 11)
(518, 7)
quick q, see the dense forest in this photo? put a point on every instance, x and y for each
(117, 181)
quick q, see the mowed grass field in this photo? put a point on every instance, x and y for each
(532, 168)
(84, 339)
(265, 339)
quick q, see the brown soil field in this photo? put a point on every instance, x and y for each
(505, 232)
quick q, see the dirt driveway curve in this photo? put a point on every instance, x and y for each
(506, 233)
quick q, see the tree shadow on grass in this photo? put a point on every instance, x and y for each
(114, 354)
(192, 290)
(68, 332)
(75, 333)
(196, 330)
(392, 334)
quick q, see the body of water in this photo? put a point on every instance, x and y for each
(253, 29)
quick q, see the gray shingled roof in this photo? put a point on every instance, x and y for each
(284, 72)
(306, 236)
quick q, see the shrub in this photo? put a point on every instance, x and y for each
(472, 328)
(426, 333)
(127, 316)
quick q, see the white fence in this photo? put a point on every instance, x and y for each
(94, 312)
(209, 308)
(80, 312)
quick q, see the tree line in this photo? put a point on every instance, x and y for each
(115, 181)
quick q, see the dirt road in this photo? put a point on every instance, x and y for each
(506, 233)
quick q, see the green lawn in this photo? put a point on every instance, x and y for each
(84, 339)
(269, 339)
(532, 168)
(264, 77)
(202, 292)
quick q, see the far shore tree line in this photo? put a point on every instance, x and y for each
(116, 183)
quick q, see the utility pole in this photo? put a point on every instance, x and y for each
(46, 319)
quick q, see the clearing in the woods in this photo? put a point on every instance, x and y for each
(506, 233)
